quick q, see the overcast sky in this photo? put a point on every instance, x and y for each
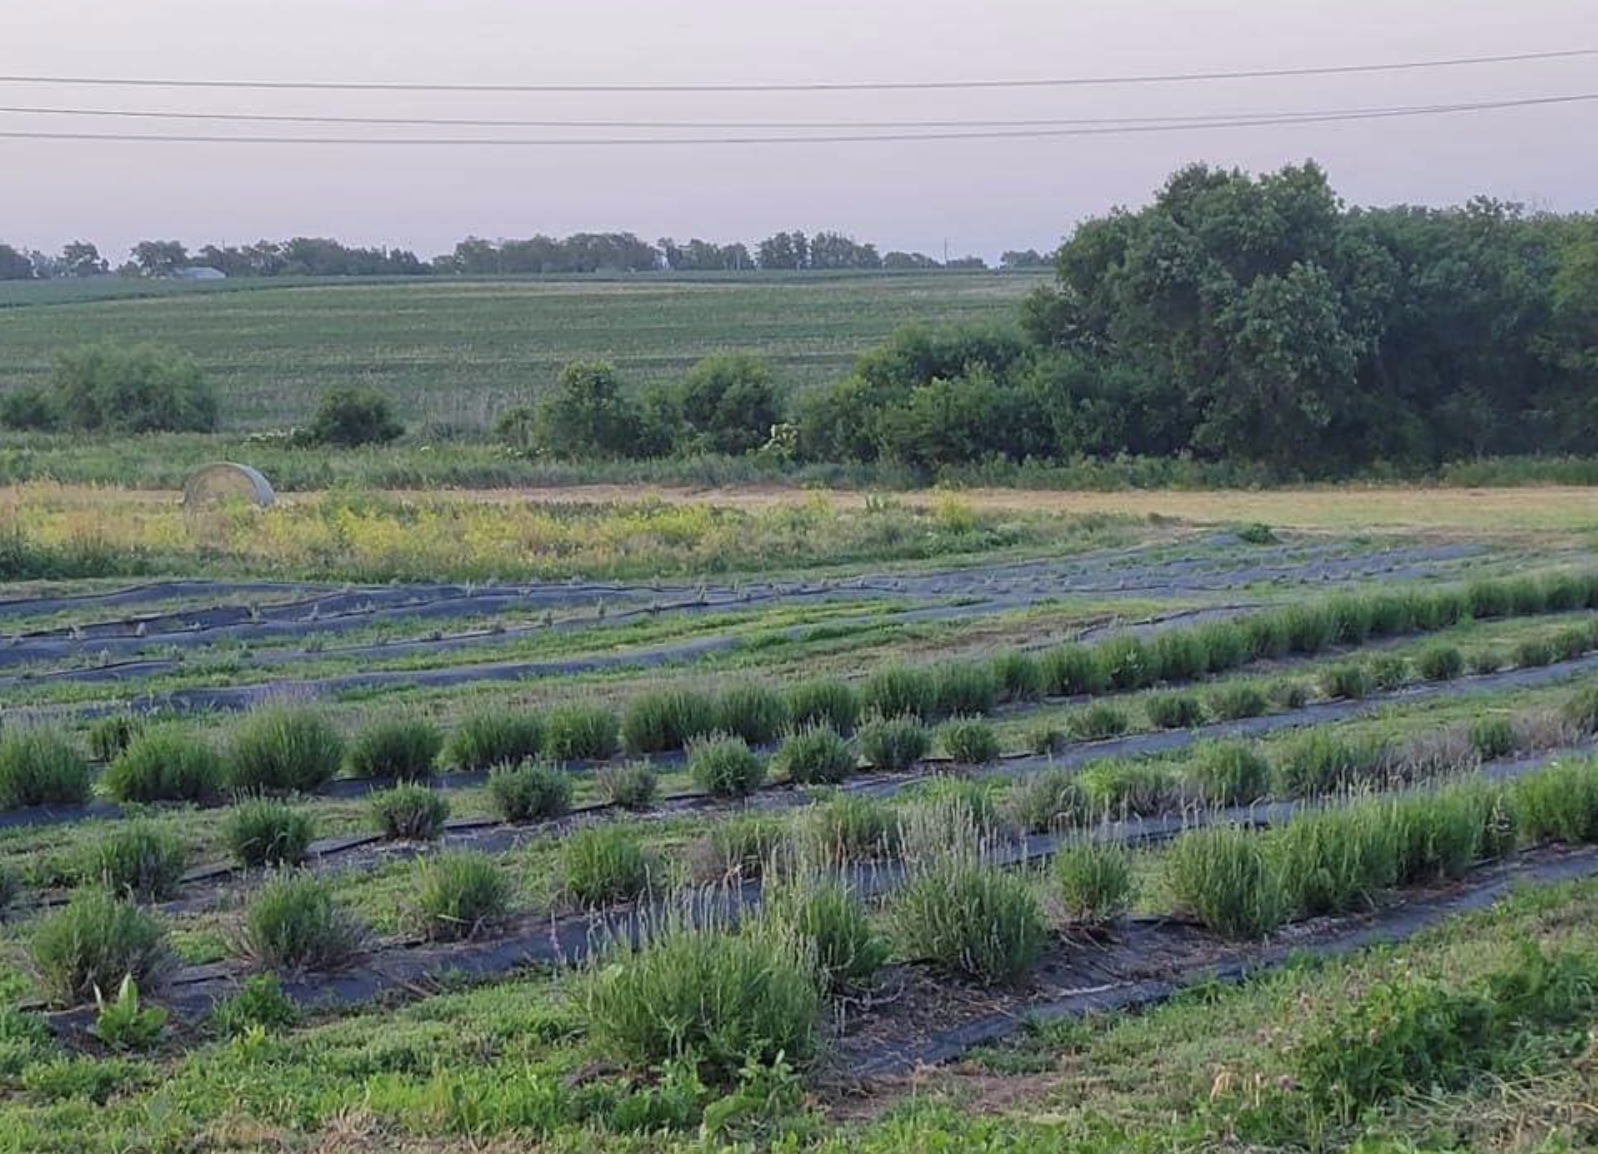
(980, 196)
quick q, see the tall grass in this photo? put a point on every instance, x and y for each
(755, 713)
(824, 701)
(830, 923)
(39, 765)
(493, 737)
(1093, 880)
(92, 943)
(970, 918)
(285, 748)
(403, 749)
(900, 691)
(667, 719)
(580, 731)
(165, 764)
(1224, 877)
(603, 865)
(459, 895)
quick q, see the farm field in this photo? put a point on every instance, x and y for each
(631, 819)
(457, 351)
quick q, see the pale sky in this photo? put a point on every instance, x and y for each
(980, 196)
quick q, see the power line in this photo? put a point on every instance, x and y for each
(838, 138)
(809, 86)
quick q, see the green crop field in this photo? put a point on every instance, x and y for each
(457, 351)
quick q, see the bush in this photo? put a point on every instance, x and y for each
(1289, 694)
(1047, 801)
(1581, 710)
(1093, 880)
(830, 923)
(1118, 787)
(1072, 670)
(1229, 773)
(1569, 644)
(349, 417)
(1317, 762)
(823, 701)
(262, 832)
(1310, 629)
(259, 1004)
(493, 738)
(969, 742)
(722, 1001)
(725, 766)
(1235, 700)
(1388, 671)
(756, 713)
(110, 735)
(458, 895)
(849, 827)
(142, 389)
(1532, 652)
(965, 689)
(1173, 710)
(629, 786)
(969, 918)
(1098, 721)
(1127, 663)
(604, 864)
(1559, 802)
(402, 749)
(578, 731)
(1493, 737)
(1019, 675)
(137, 860)
(531, 791)
(1486, 661)
(1336, 859)
(285, 747)
(1226, 645)
(1345, 681)
(40, 766)
(293, 923)
(1440, 663)
(893, 743)
(667, 719)
(1447, 831)
(1256, 533)
(410, 812)
(1179, 655)
(165, 764)
(727, 404)
(814, 756)
(94, 941)
(900, 691)
(739, 847)
(1223, 877)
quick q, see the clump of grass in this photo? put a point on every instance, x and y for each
(1228, 773)
(1047, 801)
(815, 755)
(900, 691)
(1093, 880)
(285, 748)
(849, 827)
(629, 786)
(739, 847)
(1484, 661)
(459, 895)
(493, 737)
(402, 748)
(165, 764)
(110, 735)
(1493, 737)
(1127, 663)
(829, 921)
(293, 923)
(1440, 662)
(1351, 619)
(1179, 655)
(1019, 675)
(93, 942)
(1235, 700)
(969, 918)
(138, 860)
(723, 1001)
(1559, 802)
(965, 689)
(531, 791)
(262, 832)
(950, 810)
(1256, 533)
(1046, 739)
(410, 812)
(1173, 710)
(756, 713)
(893, 743)
(259, 1004)
(1309, 628)
(824, 701)
(1388, 671)
(724, 766)
(1446, 831)
(1289, 694)
(1533, 652)
(1569, 644)
(1119, 787)
(580, 731)
(1345, 681)
(1072, 670)
(1318, 762)
(1337, 859)
(667, 719)
(39, 765)
(1223, 877)
(603, 865)
(969, 741)
(1581, 710)
(1098, 721)
(1226, 645)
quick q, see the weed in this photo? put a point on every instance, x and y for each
(1127, 662)
(123, 1023)
(1581, 711)
(260, 1004)
(1532, 652)
(1493, 737)
(1387, 671)
(531, 791)
(1484, 661)
(1559, 802)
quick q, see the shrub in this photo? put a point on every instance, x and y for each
(1127, 662)
(531, 791)
(1581, 710)
(141, 389)
(849, 827)
(725, 403)
(410, 812)
(900, 691)
(259, 1004)
(1289, 694)
(1387, 671)
(1256, 533)
(969, 741)
(629, 786)
(40, 766)
(824, 701)
(1446, 831)
(756, 713)
(404, 749)
(358, 415)
(458, 895)
(1487, 599)
(739, 847)
(94, 941)
(1533, 651)
(1234, 700)
(725, 766)
(1228, 773)
(137, 860)
(285, 747)
(603, 865)
(1486, 661)
(1071, 670)
(1346, 681)
(493, 738)
(893, 743)
(1097, 721)
(1352, 619)
(1019, 675)
(1047, 801)
(722, 1001)
(1173, 710)
(578, 731)
(261, 832)
(1179, 655)
(1223, 877)
(814, 755)
(965, 689)
(970, 918)
(165, 764)
(1336, 859)
(293, 923)
(110, 735)
(829, 921)
(667, 719)
(1493, 737)
(1093, 880)
(1309, 628)
(1440, 663)
(1120, 787)
(1226, 645)
(1559, 802)
(1569, 644)
(1317, 762)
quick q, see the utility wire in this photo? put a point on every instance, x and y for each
(809, 86)
(837, 138)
